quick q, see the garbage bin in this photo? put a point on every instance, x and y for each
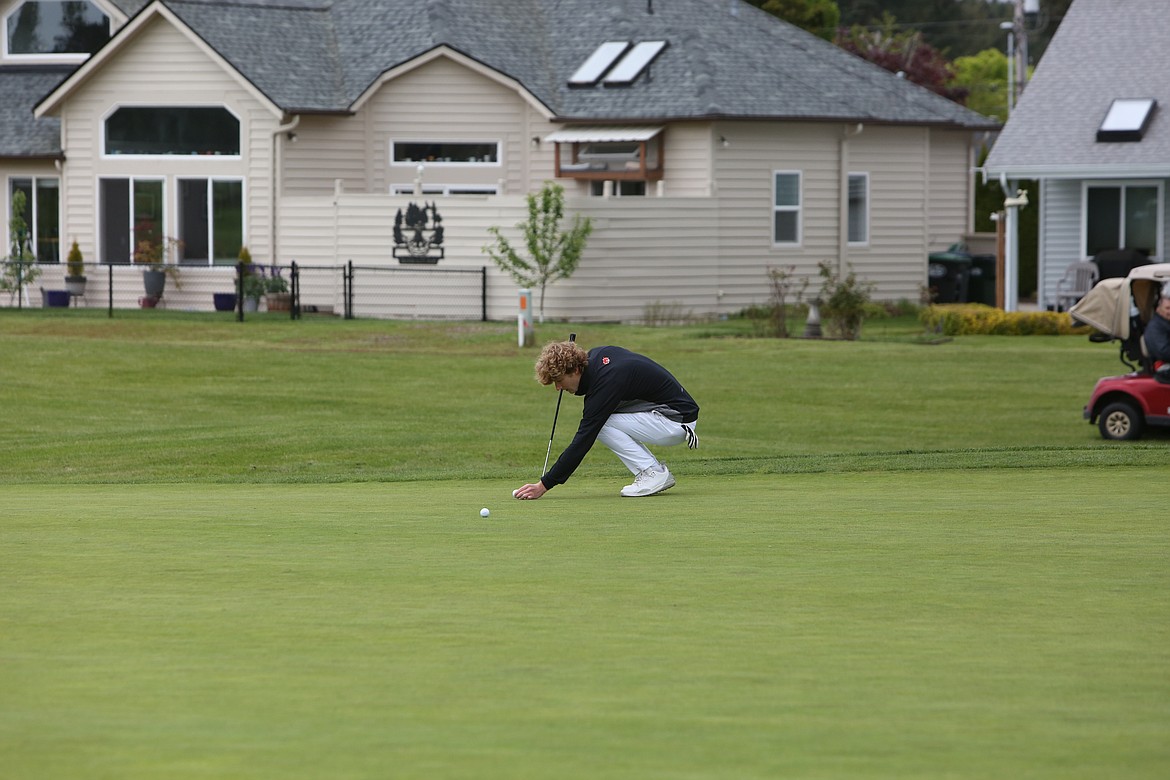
(948, 274)
(981, 284)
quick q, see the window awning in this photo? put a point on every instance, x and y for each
(597, 135)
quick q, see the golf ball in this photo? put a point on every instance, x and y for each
(515, 492)
(484, 512)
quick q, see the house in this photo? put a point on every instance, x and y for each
(709, 141)
(1090, 129)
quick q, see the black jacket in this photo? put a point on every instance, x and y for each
(617, 380)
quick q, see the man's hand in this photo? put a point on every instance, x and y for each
(528, 492)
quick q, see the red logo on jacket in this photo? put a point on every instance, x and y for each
(605, 361)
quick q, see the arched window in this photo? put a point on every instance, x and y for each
(56, 27)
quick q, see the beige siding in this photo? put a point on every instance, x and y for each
(897, 161)
(440, 100)
(163, 68)
(949, 205)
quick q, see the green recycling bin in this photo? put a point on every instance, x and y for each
(948, 275)
(981, 283)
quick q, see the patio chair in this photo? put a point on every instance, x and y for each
(1078, 279)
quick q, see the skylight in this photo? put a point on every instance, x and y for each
(598, 63)
(632, 65)
(1127, 119)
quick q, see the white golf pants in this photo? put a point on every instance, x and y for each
(628, 434)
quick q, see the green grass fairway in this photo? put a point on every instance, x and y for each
(254, 550)
(961, 624)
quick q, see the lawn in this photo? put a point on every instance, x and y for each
(255, 551)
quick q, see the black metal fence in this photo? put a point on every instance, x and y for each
(349, 291)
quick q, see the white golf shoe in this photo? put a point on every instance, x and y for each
(650, 481)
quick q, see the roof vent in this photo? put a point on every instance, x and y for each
(1127, 119)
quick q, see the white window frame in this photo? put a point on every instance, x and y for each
(34, 212)
(49, 58)
(864, 241)
(210, 221)
(447, 163)
(454, 190)
(101, 238)
(1123, 185)
(170, 157)
(798, 209)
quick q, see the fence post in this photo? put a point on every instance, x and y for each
(294, 304)
(239, 292)
(349, 293)
(483, 290)
(19, 284)
(110, 290)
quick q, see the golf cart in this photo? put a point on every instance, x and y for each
(1118, 310)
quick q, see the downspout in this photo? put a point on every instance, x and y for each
(278, 179)
(843, 197)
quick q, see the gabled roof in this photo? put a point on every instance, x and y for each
(724, 58)
(1102, 51)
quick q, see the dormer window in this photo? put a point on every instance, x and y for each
(61, 29)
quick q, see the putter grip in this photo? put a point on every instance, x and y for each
(572, 337)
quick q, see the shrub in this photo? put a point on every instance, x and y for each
(843, 302)
(966, 319)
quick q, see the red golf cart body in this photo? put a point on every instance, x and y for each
(1118, 309)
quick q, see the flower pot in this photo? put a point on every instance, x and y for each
(155, 283)
(148, 302)
(75, 285)
(224, 301)
(278, 301)
(251, 304)
(56, 299)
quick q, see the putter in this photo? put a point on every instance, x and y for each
(556, 414)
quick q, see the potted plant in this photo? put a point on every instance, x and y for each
(276, 294)
(151, 254)
(252, 282)
(75, 278)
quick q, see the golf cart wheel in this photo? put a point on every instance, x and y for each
(1120, 421)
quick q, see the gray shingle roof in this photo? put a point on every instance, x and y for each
(725, 58)
(1104, 49)
(22, 135)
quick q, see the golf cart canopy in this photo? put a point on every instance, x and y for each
(1109, 306)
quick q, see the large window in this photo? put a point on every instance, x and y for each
(858, 208)
(1123, 216)
(172, 130)
(42, 216)
(786, 207)
(445, 152)
(131, 213)
(51, 27)
(211, 221)
(446, 189)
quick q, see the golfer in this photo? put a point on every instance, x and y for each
(1157, 333)
(630, 401)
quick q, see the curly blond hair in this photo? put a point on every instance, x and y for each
(559, 358)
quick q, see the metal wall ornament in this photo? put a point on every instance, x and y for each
(418, 235)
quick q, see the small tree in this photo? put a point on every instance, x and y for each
(553, 254)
